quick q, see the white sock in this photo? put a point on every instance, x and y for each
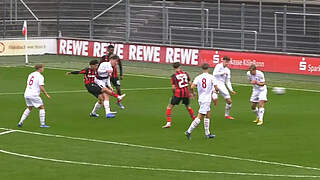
(194, 124)
(42, 114)
(24, 115)
(106, 106)
(261, 112)
(228, 107)
(96, 107)
(207, 126)
(256, 111)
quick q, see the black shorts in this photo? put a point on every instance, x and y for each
(115, 81)
(176, 100)
(94, 89)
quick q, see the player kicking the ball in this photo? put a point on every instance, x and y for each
(35, 84)
(259, 93)
(97, 91)
(222, 75)
(180, 81)
(114, 77)
(205, 84)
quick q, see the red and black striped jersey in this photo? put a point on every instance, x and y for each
(181, 81)
(89, 75)
(105, 58)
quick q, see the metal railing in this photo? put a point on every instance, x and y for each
(285, 13)
(166, 17)
(212, 30)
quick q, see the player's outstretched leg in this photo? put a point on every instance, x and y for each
(207, 128)
(24, 116)
(227, 109)
(192, 126)
(96, 107)
(261, 113)
(119, 93)
(42, 115)
(168, 113)
(191, 112)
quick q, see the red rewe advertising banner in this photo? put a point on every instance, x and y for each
(192, 56)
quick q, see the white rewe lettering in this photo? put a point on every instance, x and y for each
(104, 48)
(118, 49)
(85, 48)
(76, 47)
(96, 49)
(132, 52)
(63, 46)
(169, 55)
(139, 53)
(69, 47)
(186, 55)
(194, 59)
(148, 53)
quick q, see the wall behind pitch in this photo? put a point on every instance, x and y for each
(269, 62)
(35, 47)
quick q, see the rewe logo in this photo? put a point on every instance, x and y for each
(303, 65)
(216, 58)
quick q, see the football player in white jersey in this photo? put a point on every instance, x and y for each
(205, 84)
(103, 80)
(35, 84)
(222, 75)
(259, 93)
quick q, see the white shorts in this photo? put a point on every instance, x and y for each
(34, 101)
(223, 91)
(258, 95)
(101, 83)
(204, 107)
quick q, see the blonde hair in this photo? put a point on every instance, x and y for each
(38, 66)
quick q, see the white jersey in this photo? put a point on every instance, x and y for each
(105, 69)
(222, 75)
(35, 80)
(205, 83)
(259, 76)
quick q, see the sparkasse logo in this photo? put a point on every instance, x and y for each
(216, 58)
(303, 65)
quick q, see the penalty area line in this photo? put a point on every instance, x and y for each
(170, 150)
(156, 169)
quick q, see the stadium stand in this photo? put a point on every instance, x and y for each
(72, 19)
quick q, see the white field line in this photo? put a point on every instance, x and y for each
(161, 77)
(84, 91)
(170, 150)
(7, 132)
(156, 169)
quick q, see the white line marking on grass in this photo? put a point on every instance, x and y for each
(84, 91)
(169, 150)
(156, 169)
(7, 132)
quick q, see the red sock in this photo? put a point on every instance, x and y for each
(114, 94)
(169, 115)
(191, 113)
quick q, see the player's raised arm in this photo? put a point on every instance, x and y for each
(83, 71)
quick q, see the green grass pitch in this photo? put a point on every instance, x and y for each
(134, 146)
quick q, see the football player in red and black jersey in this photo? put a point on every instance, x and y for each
(94, 89)
(180, 81)
(115, 77)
